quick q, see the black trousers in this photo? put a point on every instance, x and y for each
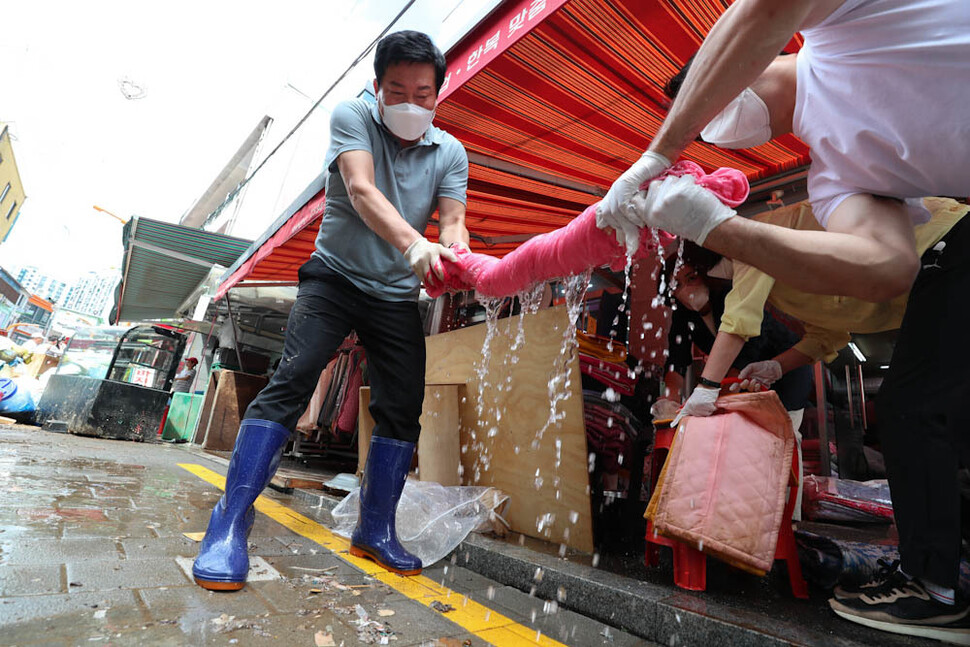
(794, 388)
(922, 409)
(327, 308)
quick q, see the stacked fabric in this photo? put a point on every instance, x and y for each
(605, 362)
(610, 431)
(610, 374)
(334, 407)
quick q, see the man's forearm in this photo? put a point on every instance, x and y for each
(819, 262)
(453, 233)
(382, 218)
(739, 47)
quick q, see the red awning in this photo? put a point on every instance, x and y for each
(278, 257)
(553, 99)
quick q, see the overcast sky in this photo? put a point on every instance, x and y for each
(209, 71)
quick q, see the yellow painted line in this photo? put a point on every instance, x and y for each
(475, 618)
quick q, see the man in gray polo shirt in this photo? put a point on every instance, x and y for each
(390, 170)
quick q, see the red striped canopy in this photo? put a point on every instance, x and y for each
(553, 99)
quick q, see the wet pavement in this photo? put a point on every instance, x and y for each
(93, 552)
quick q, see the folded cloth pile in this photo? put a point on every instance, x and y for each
(610, 374)
(610, 430)
(573, 249)
(601, 347)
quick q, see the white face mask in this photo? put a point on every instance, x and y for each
(744, 123)
(406, 120)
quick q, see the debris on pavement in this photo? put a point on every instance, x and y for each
(322, 639)
(226, 623)
(371, 632)
(440, 607)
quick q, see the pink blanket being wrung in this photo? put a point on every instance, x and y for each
(572, 249)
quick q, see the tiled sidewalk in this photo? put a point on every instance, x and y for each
(90, 533)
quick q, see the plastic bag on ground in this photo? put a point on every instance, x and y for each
(431, 519)
(830, 560)
(834, 499)
(15, 398)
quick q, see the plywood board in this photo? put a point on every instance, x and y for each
(497, 450)
(231, 392)
(289, 479)
(439, 446)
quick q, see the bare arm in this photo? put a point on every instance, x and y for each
(357, 170)
(723, 353)
(869, 251)
(792, 359)
(739, 47)
(451, 222)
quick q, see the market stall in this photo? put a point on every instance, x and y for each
(550, 111)
(113, 383)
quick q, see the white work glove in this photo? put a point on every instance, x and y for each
(424, 257)
(700, 403)
(760, 373)
(664, 409)
(680, 207)
(614, 210)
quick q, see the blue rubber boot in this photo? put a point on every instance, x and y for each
(223, 560)
(375, 536)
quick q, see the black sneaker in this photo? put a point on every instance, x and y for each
(904, 607)
(887, 572)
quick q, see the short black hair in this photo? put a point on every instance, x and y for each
(672, 87)
(408, 46)
(700, 259)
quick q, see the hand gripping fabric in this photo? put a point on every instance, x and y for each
(572, 249)
(375, 536)
(223, 560)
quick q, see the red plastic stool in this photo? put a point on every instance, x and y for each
(786, 549)
(690, 564)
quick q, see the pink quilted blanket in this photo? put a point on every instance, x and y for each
(722, 488)
(572, 249)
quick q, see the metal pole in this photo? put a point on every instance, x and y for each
(823, 433)
(232, 326)
(205, 345)
(848, 395)
(862, 395)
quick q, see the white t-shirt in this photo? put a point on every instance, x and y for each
(883, 101)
